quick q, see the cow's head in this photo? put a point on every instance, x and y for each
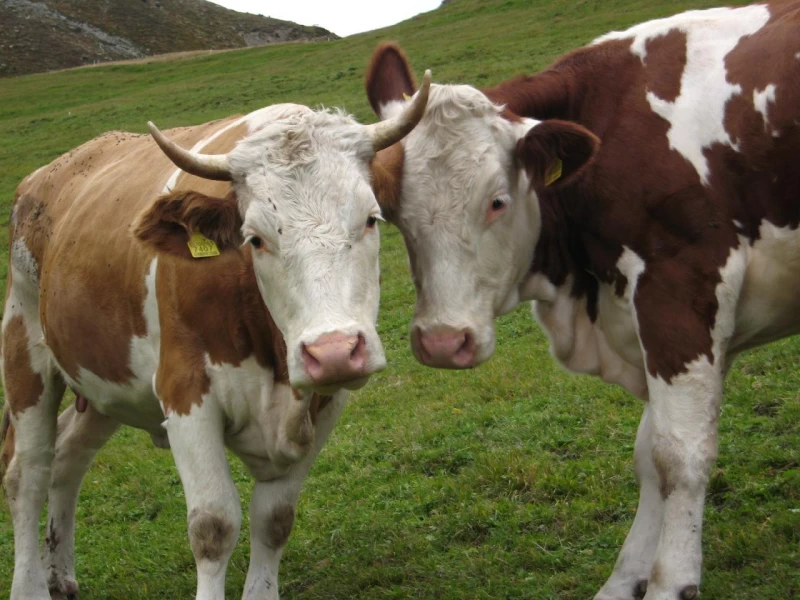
(462, 189)
(300, 198)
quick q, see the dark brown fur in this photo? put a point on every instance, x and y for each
(555, 140)
(210, 535)
(279, 525)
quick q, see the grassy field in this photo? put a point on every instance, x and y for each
(511, 481)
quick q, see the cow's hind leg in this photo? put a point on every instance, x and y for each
(80, 436)
(33, 392)
(272, 512)
(629, 579)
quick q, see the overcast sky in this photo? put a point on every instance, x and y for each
(342, 17)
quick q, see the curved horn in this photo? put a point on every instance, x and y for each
(207, 166)
(390, 131)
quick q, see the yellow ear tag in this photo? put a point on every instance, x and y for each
(554, 174)
(202, 247)
(406, 96)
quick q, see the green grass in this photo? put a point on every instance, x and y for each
(511, 481)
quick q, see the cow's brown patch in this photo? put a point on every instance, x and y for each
(211, 536)
(220, 293)
(318, 403)
(387, 179)
(664, 64)
(24, 386)
(8, 441)
(657, 575)
(278, 526)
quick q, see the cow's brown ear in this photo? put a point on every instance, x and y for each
(171, 221)
(389, 77)
(387, 179)
(554, 152)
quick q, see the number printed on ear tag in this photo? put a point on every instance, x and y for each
(202, 247)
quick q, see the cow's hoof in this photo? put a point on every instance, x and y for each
(640, 589)
(64, 590)
(690, 592)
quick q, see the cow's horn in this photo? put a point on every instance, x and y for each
(390, 131)
(207, 166)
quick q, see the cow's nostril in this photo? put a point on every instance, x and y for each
(359, 350)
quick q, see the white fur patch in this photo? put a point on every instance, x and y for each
(767, 307)
(697, 115)
(761, 101)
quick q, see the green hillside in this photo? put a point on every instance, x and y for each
(512, 481)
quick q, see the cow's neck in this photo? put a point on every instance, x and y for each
(576, 88)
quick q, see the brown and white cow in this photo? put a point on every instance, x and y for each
(652, 217)
(229, 350)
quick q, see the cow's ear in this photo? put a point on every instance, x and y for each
(554, 152)
(387, 180)
(173, 220)
(390, 81)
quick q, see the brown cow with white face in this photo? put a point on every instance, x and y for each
(255, 290)
(643, 191)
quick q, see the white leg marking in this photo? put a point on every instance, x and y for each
(636, 557)
(212, 502)
(685, 413)
(28, 475)
(79, 438)
(272, 512)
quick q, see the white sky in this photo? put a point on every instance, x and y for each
(342, 17)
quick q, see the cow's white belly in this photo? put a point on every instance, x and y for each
(769, 304)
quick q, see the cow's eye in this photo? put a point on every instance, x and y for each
(498, 204)
(371, 221)
(256, 242)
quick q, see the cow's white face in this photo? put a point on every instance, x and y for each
(470, 224)
(465, 199)
(301, 183)
(310, 216)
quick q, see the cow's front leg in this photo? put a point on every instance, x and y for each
(635, 561)
(685, 359)
(212, 502)
(272, 511)
(685, 412)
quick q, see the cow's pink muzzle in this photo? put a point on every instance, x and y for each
(335, 358)
(446, 348)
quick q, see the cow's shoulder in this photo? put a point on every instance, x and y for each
(212, 319)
